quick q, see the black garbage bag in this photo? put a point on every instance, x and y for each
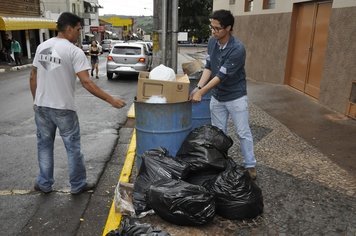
(156, 165)
(130, 227)
(237, 196)
(202, 178)
(181, 203)
(161, 158)
(205, 148)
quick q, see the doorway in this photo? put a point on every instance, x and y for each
(309, 34)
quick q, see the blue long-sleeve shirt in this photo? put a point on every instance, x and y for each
(227, 63)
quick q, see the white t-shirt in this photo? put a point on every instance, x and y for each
(57, 61)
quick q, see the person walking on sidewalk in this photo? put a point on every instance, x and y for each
(224, 74)
(57, 64)
(94, 52)
(7, 49)
(16, 49)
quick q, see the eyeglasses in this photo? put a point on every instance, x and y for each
(215, 29)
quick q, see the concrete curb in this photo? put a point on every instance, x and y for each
(15, 68)
(114, 218)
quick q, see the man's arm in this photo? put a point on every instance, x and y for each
(33, 81)
(89, 85)
(205, 86)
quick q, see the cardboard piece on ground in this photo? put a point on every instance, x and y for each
(173, 91)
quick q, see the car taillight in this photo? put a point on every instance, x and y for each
(142, 60)
(109, 58)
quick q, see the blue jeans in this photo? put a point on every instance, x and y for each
(47, 121)
(238, 109)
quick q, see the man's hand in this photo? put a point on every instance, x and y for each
(118, 103)
(195, 95)
(192, 93)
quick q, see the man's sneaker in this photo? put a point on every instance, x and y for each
(87, 187)
(252, 172)
(37, 188)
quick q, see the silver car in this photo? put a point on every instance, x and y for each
(106, 44)
(127, 58)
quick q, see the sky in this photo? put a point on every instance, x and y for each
(126, 7)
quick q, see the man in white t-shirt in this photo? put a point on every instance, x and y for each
(57, 64)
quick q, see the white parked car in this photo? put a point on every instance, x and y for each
(107, 44)
(127, 58)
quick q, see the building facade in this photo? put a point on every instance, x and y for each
(121, 26)
(31, 22)
(88, 10)
(24, 21)
(305, 44)
(92, 29)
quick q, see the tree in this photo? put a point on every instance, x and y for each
(194, 18)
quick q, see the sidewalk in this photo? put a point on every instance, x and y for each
(307, 190)
(5, 67)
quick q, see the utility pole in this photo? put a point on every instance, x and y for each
(165, 33)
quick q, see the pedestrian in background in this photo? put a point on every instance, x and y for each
(224, 74)
(7, 49)
(16, 50)
(94, 52)
(57, 64)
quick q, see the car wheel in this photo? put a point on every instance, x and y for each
(109, 75)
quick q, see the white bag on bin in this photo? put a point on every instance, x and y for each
(156, 99)
(162, 72)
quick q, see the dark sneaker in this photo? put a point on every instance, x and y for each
(37, 188)
(97, 77)
(87, 187)
(252, 172)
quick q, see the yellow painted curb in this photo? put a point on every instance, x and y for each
(114, 218)
(131, 112)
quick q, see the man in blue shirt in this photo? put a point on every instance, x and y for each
(224, 74)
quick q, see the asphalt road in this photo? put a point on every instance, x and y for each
(26, 212)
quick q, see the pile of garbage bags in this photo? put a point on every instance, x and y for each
(198, 183)
(131, 227)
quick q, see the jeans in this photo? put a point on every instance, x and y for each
(238, 109)
(47, 121)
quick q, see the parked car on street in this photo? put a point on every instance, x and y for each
(85, 46)
(148, 48)
(107, 44)
(127, 58)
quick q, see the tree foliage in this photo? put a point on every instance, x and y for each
(194, 18)
(144, 22)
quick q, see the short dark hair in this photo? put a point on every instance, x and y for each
(68, 19)
(225, 18)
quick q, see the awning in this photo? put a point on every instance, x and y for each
(108, 32)
(89, 35)
(24, 23)
(92, 4)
